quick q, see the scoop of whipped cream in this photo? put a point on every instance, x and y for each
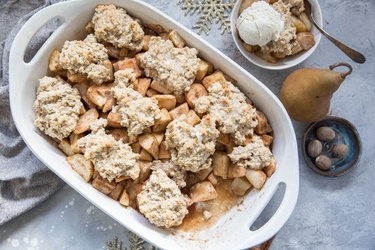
(259, 24)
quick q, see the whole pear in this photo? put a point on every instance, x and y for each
(306, 93)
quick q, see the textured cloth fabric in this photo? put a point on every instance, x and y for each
(24, 180)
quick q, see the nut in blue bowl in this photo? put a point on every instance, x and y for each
(331, 146)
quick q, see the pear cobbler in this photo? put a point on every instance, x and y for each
(150, 124)
(274, 29)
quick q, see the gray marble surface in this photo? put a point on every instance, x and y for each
(331, 213)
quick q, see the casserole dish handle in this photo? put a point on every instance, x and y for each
(33, 25)
(274, 224)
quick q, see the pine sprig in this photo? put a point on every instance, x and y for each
(135, 243)
(114, 244)
(209, 10)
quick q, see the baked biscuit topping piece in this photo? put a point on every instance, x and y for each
(88, 58)
(227, 105)
(175, 68)
(296, 6)
(126, 77)
(175, 172)
(111, 158)
(161, 201)
(113, 25)
(253, 156)
(284, 43)
(57, 107)
(192, 146)
(137, 112)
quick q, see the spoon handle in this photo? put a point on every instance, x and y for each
(353, 54)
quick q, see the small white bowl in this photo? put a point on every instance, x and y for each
(287, 62)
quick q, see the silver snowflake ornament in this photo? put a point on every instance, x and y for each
(209, 11)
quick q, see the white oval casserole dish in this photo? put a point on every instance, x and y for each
(231, 231)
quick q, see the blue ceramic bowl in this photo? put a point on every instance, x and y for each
(345, 133)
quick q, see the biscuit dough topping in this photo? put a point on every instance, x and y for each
(192, 146)
(227, 105)
(284, 43)
(88, 58)
(90, 39)
(296, 6)
(115, 26)
(174, 67)
(111, 158)
(254, 155)
(176, 173)
(137, 112)
(126, 77)
(57, 107)
(161, 201)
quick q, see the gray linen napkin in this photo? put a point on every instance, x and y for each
(24, 180)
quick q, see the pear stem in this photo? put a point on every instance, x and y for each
(340, 64)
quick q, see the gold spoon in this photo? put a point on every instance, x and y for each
(353, 54)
